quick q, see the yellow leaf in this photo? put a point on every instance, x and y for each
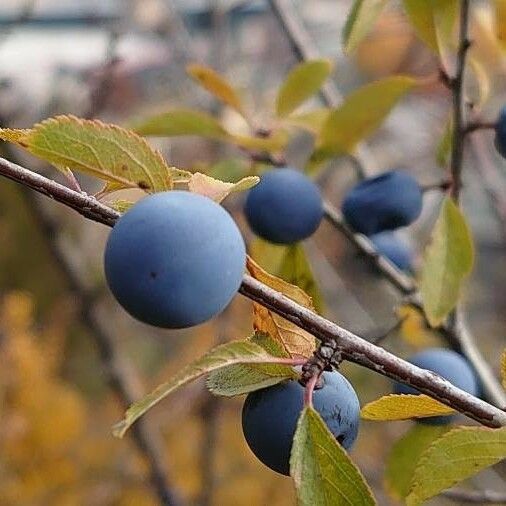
(217, 85)
(433, 21)
(296, 341)
(105, 151)
(448, 260)
(312, 121)
(14, 135)
(302, 82)
(360, 114)
(454, 457)
(360, 20)
(216, 189)
(414, 328)
(403, 407)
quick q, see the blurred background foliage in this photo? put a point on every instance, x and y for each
(56, 408)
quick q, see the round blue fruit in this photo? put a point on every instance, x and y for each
(500, 133)
(285, 207)
(391, 247)
(386, 202)
(269, 417)
(175, 259)
(450, 365)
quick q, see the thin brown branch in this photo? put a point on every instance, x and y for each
(475, 496)
(457, 89)
(404, 283)
(353, 347)
(479, 125)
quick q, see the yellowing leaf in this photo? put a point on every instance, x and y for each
(360, 20)
(274, 143)
(216, 189)
(454, 457)
(104, 151)
(404, 455)
(14, 135)
(323, 473)
(500, 21)
(244, 378)
(433, 21)
(296, 342)
(301, 83)
(182, 122)
(448, 260)
(311, 121)
(403, 407)
(217, 85)
(235, 352)
(414, 329)
(360, 114)
(267, 255)
(503, 368)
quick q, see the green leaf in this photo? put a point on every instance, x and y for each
(433, 21)
(105, 151)
(444, 147)
(108, 152)
(360, 115)
(311, 121)
(289, 263)
(216, 189)
(217, 85)
(454, 457)
(448, 260)
(323, 473)
(360, 20)
(403, 407)
(235, 352)
(301, 83)
(244, 378)
(182, 122)
(404, 455)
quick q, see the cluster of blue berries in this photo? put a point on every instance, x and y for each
(377, 206)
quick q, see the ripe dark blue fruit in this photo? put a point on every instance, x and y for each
(393, 248)
(500, 133)
(175, 259)
(386, 202)
(285, 207)
(451, 366)
(269, 417)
